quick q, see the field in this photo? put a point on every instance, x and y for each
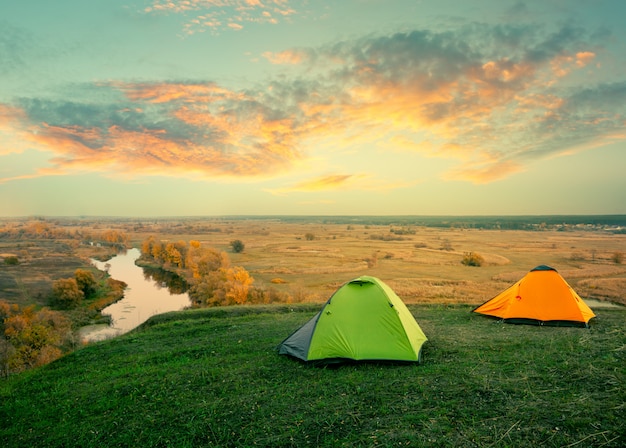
(423, 265)
(310, 259)
(212, 377)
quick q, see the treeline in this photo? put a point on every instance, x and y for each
(512, 222)
(46, 230)
(211, 278)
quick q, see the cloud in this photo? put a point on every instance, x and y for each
(13, 130)
(343, 182)
(484, 173)
(166, 130)
(494, 98)
(330, 182)
(286, 57)
(217, 15)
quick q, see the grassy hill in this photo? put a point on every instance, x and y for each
(212, 377)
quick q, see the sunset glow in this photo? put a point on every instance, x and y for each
(286, 107)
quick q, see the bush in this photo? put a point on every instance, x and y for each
(12, 260)
(66, 292)
(472, 259)
(617, 258)
(86, 282)
(237, 246)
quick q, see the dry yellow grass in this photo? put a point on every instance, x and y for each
(424, 266)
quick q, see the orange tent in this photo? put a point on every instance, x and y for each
(541, 297)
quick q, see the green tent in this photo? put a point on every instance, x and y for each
(363, 320)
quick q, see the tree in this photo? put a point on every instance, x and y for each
(86, 282)
(209, 260)
(157, 251)
(66, 292)
(237, 284)
(182, 248)
(237, 246)
(146, 246)
(208, 290)
(225, 286)
(32, 338)
(173, 255)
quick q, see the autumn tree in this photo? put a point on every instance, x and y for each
(157, 251)
(209, 260)
(236, 285)
(66, 292)
(86, 282)
(207, 290)
(30, 337)
(146, 246)
(173, 255)
(213, 281)
(115, 237)
(182, 248)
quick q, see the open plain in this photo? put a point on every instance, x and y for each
(309, 259)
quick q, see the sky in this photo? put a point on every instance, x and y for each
(312, 107)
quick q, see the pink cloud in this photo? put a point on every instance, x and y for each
(485, 173)
(292, 57)
(223, 14)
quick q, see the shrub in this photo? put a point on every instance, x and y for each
(472, 259)
(66, 292)
(86, 282)
(11, 260)
(309, 237)
(617, 258)
(237, 246)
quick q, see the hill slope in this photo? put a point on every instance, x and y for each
(213, 378)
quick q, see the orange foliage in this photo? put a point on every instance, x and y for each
(30, 337)
(237, 284)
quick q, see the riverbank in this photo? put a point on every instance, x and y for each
(143, 298)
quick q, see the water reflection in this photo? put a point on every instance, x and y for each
(148, 293)
(174, 283)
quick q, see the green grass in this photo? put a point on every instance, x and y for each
(212, 377)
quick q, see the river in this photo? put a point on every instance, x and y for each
(143, 298)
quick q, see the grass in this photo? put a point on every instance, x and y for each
(212, 377)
